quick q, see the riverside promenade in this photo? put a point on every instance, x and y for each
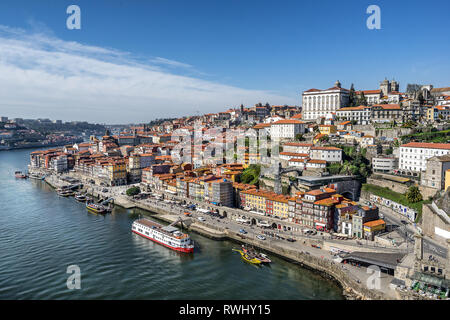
(352, 279)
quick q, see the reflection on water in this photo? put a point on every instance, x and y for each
(41, 234)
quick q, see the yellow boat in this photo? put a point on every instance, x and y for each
(248, 258)
(96, 208)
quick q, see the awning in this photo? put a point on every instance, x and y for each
(320, 224)
(432, 280)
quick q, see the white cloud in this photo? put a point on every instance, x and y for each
(172, 63)
(43, 76)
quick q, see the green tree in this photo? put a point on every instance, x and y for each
(299, 137)
(133, 191)
(413, 194)
(251, 174)
(362, 101)
(352, 96)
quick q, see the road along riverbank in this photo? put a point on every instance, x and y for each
(306, 257)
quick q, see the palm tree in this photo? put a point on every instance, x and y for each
(413, 194)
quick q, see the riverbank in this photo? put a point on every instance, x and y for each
(309, 258)
(40, 145)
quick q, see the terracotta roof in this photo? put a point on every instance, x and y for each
(298, 144)
(312, 90)
(445, 146)
(354, 108)
(440, 89)
(388, 106)
(369, 91)
(288, 122)
(374, 223)
(317, 161)
(326, 148)
(261, 125)
(294, 154)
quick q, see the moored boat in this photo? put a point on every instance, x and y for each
(258, 255)
(65, 193)
(80, 197)
(168, 236)
(20, 175)
(246, 256)
(36, 176)
(96, 208)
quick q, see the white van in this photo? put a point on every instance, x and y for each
(263, 224)
(242, 220)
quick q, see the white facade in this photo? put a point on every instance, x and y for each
(316, 164)
(329, 154)
(361, 114)
(292, 155)
(414, 155)
(286, 129)
(297, 147)
(381, 164)
(318, 103)
(60, 164)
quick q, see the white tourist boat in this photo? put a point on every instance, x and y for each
(168, 236)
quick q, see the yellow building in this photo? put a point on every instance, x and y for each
(117, 173)
(280, 206)
(254, 199)
(372, 228)
(327, 129)
(447, 179)
(430, 114)
(172, 187)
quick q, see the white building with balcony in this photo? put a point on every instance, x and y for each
(414, 155)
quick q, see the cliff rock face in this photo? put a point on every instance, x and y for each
(444, 202)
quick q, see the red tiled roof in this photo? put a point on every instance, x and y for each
(298, 144)
(445, 146)
(326, 148)
(288, 122)
(388, 106)
(353, 108)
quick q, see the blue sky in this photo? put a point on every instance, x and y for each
(214, 54)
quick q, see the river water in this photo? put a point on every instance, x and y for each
(41, 234)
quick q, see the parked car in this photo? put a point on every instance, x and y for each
(243, 231)
(260, 237)
(105, 190)
(290, 240)
(403, 221)
(201, 219)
